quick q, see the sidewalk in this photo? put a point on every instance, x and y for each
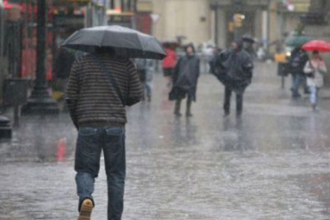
(272, 164)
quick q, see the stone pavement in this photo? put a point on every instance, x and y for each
(272, 164)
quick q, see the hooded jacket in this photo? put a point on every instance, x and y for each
(185, 78)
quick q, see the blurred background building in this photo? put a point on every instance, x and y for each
(217, 22)
(199, 21)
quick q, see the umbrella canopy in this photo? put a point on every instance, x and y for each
(317, 45)
(248, 39)
(132, 43)
(297, 41)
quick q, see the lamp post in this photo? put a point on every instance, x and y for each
(40, 101)
(5, 127)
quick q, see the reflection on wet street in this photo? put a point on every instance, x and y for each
(273, 163)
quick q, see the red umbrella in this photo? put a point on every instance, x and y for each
(317, 45)
(7, 6)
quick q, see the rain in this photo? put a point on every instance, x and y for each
(223, 114)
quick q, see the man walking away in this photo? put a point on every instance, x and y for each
(99, 87)
(238, 67)
(185, 78)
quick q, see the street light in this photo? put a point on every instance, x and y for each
(5, 128)
(238, 20)
(40, 101)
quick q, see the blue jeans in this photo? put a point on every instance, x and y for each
(91, 141)
(298, 80)
(314, 94)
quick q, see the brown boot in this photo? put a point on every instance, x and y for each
(86, 210)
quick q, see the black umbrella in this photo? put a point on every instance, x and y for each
(126, 41)
(248, 39)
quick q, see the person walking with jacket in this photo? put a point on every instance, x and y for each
(238, 70)
(297, 61)
(169, 64)
(185, 78)
(97, 108)
(315, 70)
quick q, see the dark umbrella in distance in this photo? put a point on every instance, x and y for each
(131, 43)
(170, 43)
(248, 39)
(297, 41)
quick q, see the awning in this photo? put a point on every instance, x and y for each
(101, 3)
(9, 6)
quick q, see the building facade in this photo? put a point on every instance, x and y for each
(200, 21)
(268, 21)
(189, 20)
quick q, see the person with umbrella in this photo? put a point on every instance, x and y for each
(315, 69)
(185, 78)
(101, 84)
(297, 61)
(235, 71)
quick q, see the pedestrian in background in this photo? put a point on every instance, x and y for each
(145, 69)
(297, 61)
(62, 67)
(315, 69)
(168, 64)
(248, 45)
(238, 68)
(99, 88)
(185, 78)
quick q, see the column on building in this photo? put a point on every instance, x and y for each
(220, 27)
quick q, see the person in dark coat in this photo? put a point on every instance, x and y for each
(185, 78)
(238, 68)
(248, 43)
(298, 60)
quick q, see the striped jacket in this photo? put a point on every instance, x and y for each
(91, 98)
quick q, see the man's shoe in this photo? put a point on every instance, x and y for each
(86, 210)
(296, 95)
(177, 114)
(188, 114)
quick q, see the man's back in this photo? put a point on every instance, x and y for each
(92, 99)
(239, 65)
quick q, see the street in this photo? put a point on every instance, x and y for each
(273, 163)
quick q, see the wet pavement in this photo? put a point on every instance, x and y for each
(273, 163)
